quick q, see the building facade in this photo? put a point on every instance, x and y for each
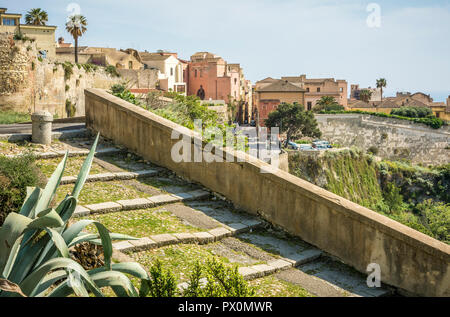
(355, 92)
(43, 35)
(270, 93)
(172, 71)
(316, 88)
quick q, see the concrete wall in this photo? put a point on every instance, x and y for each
(395, 139)
(408, 259)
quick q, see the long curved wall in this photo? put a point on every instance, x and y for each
(358, 236)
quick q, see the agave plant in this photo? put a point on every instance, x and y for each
(35, 243)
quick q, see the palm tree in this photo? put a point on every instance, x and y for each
(365, 95)
(36, 17)
(381, 83)
(76, 26)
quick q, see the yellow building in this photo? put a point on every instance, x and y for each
(419, 99)
(44, 35)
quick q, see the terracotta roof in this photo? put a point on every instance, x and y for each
(281, 86)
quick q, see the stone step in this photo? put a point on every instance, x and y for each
(105, 177)
(139, 203)
(62, 135)
(342, 277)
(162, 240)
(73, 153)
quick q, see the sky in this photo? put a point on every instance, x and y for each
(405, 41)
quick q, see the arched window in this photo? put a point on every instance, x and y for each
(171, 71)
(195, 73)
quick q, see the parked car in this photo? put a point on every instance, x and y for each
(322, 145)
(293, 146)
(307, 147)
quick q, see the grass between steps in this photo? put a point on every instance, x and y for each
(100, 192)
(48, 166)
(143, 223)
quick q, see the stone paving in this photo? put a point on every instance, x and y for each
(231, 233)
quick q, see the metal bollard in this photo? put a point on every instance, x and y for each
(42, 127)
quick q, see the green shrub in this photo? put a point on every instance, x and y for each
(162, 282)
(68, 70)
(112, 71)
(373, 150)
(412, 112)
(221, 281)
(16, 174)
(70, 109)
(437, 218)
(432, 122)
(67, 88)
(122, 92)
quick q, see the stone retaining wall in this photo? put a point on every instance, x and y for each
(393, 138)
(408, 259)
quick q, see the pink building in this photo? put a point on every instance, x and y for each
(210, 71)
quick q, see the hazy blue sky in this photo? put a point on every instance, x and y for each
(320, 38)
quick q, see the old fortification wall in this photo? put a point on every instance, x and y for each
(394, 138)
(29, 84)
(358, 236)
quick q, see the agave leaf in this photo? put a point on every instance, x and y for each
(95, 238)
(12, 229)
(48, 281)
(12, 258)
(59, 242)
(66, 208)
(76, 285)
(71, 233)
(47, 218)
(131, 268)
(31, 201)
(85, 169)
(51, 187)
(10, 287)
(33, 280)
(118, 281)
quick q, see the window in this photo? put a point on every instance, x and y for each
(235, 81)
(195, 73)
(171, 71)
(309, 105)
(341, 89)
(130, 65)
(318, 89)
(307, 89)
(7, 21)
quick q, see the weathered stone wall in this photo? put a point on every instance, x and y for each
(28, 84)
(358, 236)
(143, 78)
(394, 138)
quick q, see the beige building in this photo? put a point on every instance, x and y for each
(171, 70)
(270, 93)
(121, 59)
(316, 88)
(404, 99)
(44, 35)
(355, 92)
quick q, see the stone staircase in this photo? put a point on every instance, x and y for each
(241, 238)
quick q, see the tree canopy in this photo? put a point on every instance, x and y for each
(36, 17)
(293, 120)
(327, 103)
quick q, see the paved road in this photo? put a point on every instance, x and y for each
(26, 128)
